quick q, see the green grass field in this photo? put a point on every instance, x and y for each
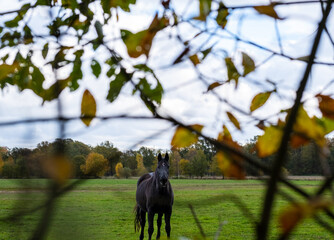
(103, 209)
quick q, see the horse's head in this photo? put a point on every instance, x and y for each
(162, 170)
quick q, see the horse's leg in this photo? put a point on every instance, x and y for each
(159, 221)
(150, 215)
(142, 223)
(167, 222)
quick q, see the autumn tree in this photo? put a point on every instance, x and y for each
(96, 165)
(119, 169)
(140, 165)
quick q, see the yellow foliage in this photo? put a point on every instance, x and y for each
(118, 169)
(96, 165)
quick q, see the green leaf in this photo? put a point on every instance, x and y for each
(248, 64)
(259, 100)
(88, 108)
(232, 72)
(96, 68)
(151, 94)
(140, 42)
(116, 85)
(267, 10)
(204, 9)
(76, 73)
(14, 22)
(123, 4)
(6, 70)
(45, 50)
(99, 30)
(183, 137)
(37, 81)
(221, 18)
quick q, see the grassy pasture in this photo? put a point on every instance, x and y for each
(102, 209)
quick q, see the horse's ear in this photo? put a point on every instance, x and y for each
(159, 157)
(166, 157)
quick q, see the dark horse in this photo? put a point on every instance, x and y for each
(154, 195)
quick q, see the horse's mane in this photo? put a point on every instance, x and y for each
(144, 177)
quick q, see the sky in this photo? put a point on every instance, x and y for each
(185, 96)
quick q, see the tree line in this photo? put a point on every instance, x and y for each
(105, 159)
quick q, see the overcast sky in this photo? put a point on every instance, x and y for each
(185, 97)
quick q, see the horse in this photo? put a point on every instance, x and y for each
(154, 195)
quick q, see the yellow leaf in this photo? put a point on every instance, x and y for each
(267, 10)
(295, 213)
(259, 100)
(230, 165)
(194, 59)
(233, 120)
(58, 168)
(225, 135)
(326, 106)
(309, 127)
(270, 141)
(183, 137)
(88, 108)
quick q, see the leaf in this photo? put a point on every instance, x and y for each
(232, 72)
(295, 213)
(269, 142)
(88, 108)
(141, 42)
(123, 4)
(248, 64)
(229, 163)
(6, 70)
(309, 128)
(327, 124)
(213, 86)
(116, 85)
(96, 68)
(99, 30)
(233, 120)
(259, 100)
(204, 9)
(267, 10)
(58, 168)
(326, 106)
(45, 50)
(194, 59)
(221, 18)
(304, 58)
(183, 137)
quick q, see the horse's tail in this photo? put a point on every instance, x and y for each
(137, 221)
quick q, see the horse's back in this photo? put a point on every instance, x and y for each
(144, 177)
